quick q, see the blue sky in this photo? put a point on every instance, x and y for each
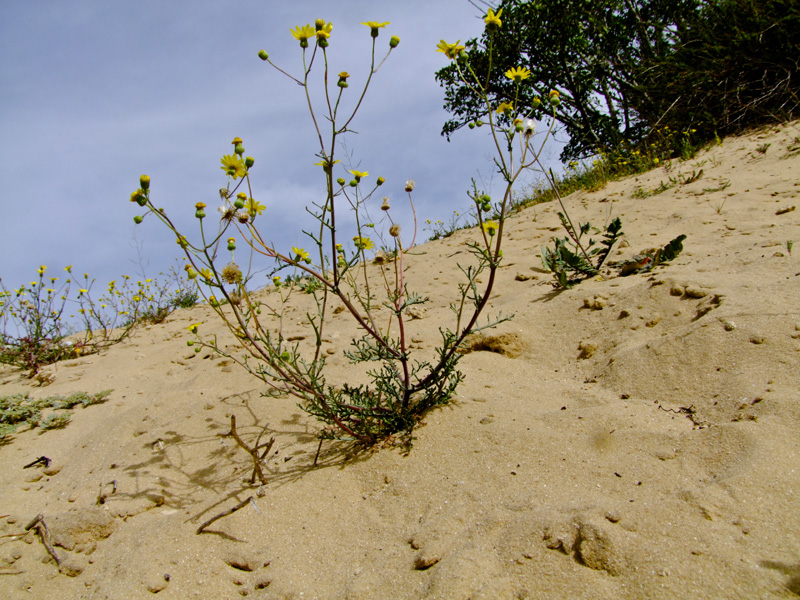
(94, 93)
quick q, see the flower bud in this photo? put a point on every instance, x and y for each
(319, 24)
(394, 41)
(190, 343)
(231, 244)
(249, 161)
(518, 128)
(182, 241)
(144, 182)
(381, 181)
(471, 125)
(479, 123)
(555, 98)
(137, 219)
(463, 55)
(341, 181)
(199, 213)
(536, 102)
(354, 183)
(239, 149)
(263, 55)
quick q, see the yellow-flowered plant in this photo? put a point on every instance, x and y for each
(336, 265)
(53, 319)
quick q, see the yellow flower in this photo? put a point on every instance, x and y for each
(490, 227)
(505, 106)
(254, 207)
(42, 269)
(300, 254)
(518, 74)
(451, 51)
(233, 165)
(359, 174)
(374, 26)
(193, 327)
(303, 33)
(324, 32)
(363, 243)
(326, 164)
(206, 273)
(492, 19)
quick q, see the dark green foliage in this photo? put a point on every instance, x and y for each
(734, 65)
(633, 73)
(670, 251)
(571, 261)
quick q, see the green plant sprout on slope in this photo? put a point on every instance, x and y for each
(401, 387)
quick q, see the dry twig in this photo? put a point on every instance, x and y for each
(224, 513)
(44, 535)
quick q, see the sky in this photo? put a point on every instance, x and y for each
(95, 93)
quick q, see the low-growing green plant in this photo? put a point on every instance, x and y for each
(20, 410)
(400, 387)
(440, 229)
(573, 258)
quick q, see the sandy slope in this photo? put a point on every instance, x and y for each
(664, 465)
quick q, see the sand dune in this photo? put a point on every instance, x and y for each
(632, 437)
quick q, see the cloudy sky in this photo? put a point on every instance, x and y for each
(94, 93)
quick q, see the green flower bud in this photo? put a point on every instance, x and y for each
(189, 342)
(486, 198)
(536, 102)
(249, 161)
(518, 127)
(263, 55)
(199, 213)
(285, 356)
(354, 183)
(394, 41)
(471, 125)
(463, 55)
(238, 203)
(342, 84)
(341, 181)
(144, 182)
(239, 149)
(138, 219)
(486, 207)
(197, 350)
(479, 123)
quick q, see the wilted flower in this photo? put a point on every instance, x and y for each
(451, 51)
(385, 205)
(242, 216)
(231, 273)
(529, 126)
(410, 185)
(394, 230)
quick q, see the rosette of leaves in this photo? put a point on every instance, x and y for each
(571, 261)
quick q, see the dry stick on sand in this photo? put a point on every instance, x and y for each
(44, 535)
(253, 452)
(225, 513)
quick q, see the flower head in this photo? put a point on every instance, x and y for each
(326, 164)
(451, 51)
(492, 19)
(323, 29)
(505, 107)
(363, 243)
(254, 207)
(359, 174)
(42, 269)
(410, 185)
(302, 34)
(490, 227)
(193, 327)
(301, 254)
(517, 74)
(233, 165)
(374, 26)
(528, 126)
(231, 273)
